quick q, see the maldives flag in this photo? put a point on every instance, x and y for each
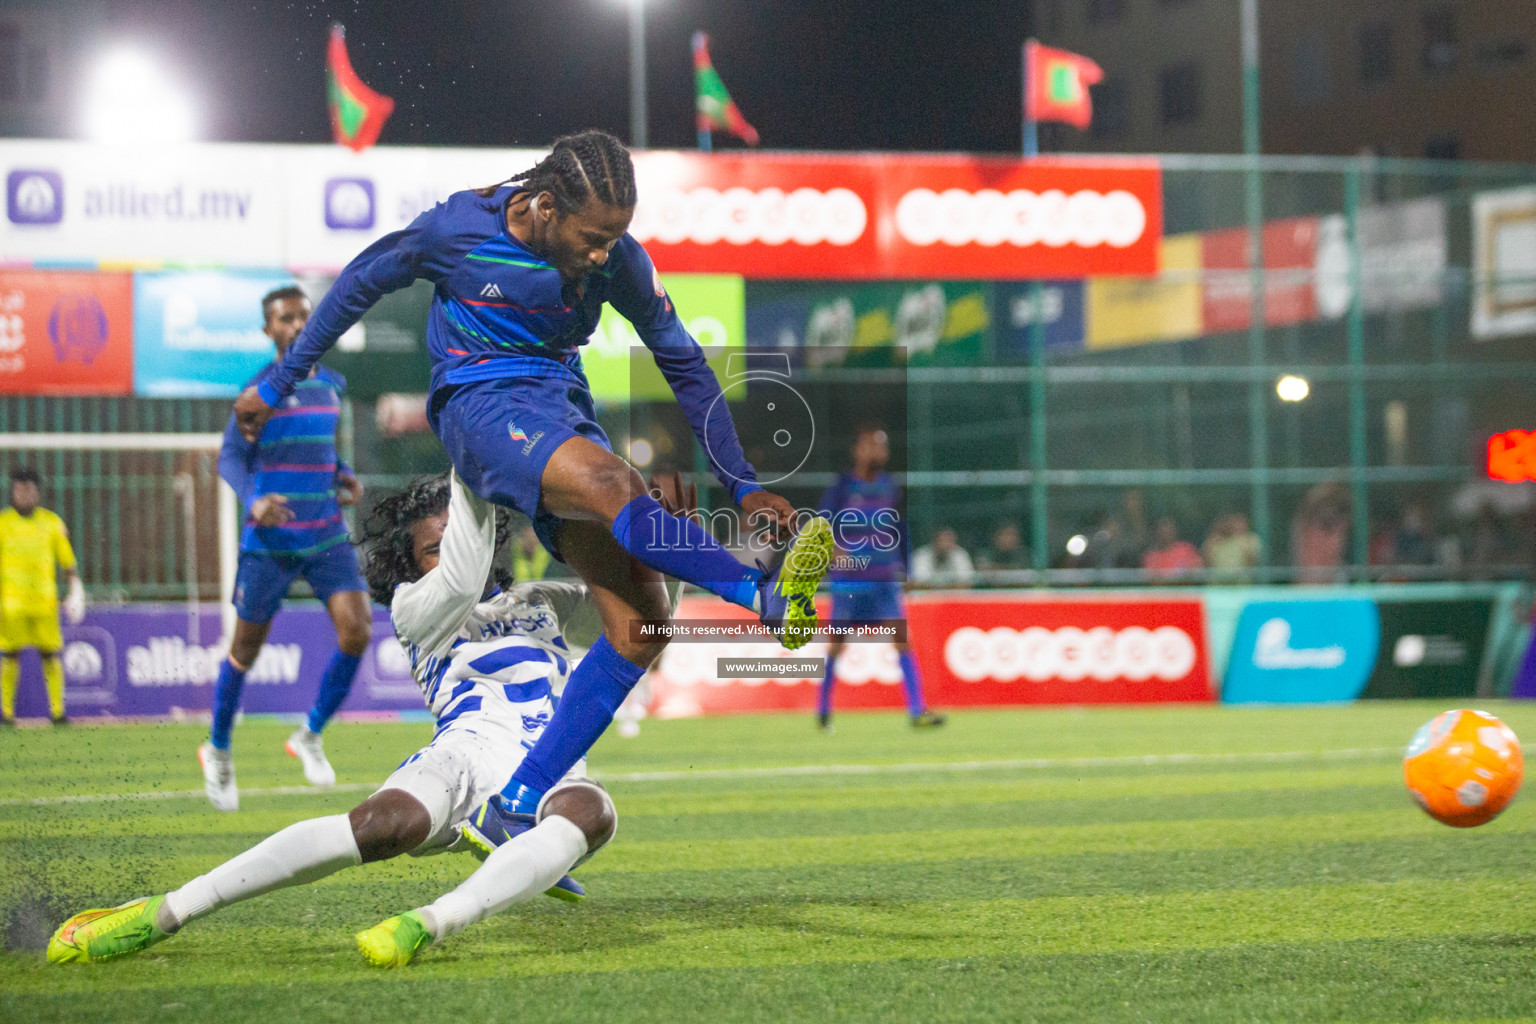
(1056, 85)
(716, 110)
(357, 112)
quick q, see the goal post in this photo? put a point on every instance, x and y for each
(159, 511)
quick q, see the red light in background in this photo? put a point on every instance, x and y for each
(1512, 456)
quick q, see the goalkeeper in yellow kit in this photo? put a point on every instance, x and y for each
(34, 549)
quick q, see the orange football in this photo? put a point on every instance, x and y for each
(1464, 767)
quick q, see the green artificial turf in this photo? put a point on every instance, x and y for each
(1185, 865)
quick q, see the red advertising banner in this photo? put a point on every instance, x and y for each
(66, 333)
(861, 217)
(973, 652)
(1290, 256)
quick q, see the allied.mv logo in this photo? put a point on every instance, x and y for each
(349, 204)
(34, 197)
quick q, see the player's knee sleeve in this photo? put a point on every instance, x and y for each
(585, 803)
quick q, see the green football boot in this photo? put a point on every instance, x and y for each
(92, 936)
(392, 943)
(788, 594)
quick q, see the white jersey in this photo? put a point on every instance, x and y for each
(507, 655)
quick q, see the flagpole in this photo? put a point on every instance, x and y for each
(1031, 126)
(706, 140)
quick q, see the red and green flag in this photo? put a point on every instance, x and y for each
(357, 112)
(1056, 85)
(717, 112)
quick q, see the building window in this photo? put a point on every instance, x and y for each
(1445, 147)
(1309, 70)
(1375, 53)
(1439, 40)
(1179, 92)
(1100, 11)
(1110, 102)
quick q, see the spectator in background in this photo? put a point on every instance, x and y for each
(944, 563)
(1319, 533)
(34, 550)
(1007, 553)
(529, 559)
(1232, 551)
(1170, 556)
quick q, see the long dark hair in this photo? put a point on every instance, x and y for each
(390, 550)
(588, 165)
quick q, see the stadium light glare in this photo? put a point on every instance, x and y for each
(128, 100)
(1292, 388)
(641, 453)
(1077, 545)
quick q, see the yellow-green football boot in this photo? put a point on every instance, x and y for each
(788, 594)
(92, 936)
(392, 943)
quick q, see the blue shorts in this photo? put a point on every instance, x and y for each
(867, 601)
(500, 434)
(262, 581)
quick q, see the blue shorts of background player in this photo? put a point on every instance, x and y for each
(263, 580)
(870, 602)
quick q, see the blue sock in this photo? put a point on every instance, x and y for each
(226, 701)
(682, 548)
(334, 687)
(594, 692)
(912, 682)
(824, 697)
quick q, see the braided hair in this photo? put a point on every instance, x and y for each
(390, 548)
(588, 165)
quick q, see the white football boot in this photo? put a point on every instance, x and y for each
(306, 746)
(219, 777)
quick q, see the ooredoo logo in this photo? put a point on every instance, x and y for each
(349, 204)
(34, 197)
(742, 216)
(1053, 218)
(1069, 653)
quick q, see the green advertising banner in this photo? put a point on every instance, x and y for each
(880, 324)
(712, 307)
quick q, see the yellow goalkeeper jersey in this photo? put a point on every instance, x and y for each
(32, 551)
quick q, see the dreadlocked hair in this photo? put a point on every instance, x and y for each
(389, 548)
(588, 165)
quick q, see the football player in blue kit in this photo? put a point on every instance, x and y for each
(864, 508)
(521, 271)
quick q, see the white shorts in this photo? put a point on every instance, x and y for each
(464, 766)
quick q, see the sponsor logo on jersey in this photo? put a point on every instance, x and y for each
(517, 435)
(490, 291)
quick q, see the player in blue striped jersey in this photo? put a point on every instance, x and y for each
(520, 274)
(489, 656)
(293, 486)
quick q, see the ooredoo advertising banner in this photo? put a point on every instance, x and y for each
(875, 216)
(972, 653)
(65, 332)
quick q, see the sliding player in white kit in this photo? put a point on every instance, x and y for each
(486, 660)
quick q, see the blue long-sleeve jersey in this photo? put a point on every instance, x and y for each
(867, 526)
(295, 456)
(500, 310)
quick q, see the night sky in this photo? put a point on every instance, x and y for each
(809, 74)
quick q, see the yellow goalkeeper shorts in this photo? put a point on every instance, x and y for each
(21, 631)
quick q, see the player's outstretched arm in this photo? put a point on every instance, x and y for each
(430, 611)
(424, 249)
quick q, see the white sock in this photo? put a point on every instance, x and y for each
(516, 871)
(298, 854)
